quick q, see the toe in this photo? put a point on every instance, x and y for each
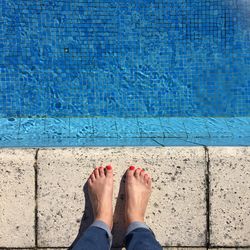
(101, 171)
(142, 173)
(90, 181)
(109, 171)
(96, 173)
(149, 181)
(137, 172)
(92, 177)
(130, 171)
(146, 177)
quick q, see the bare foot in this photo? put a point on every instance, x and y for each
(137, 191)
(100, 187)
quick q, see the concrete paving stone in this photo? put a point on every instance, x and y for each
(177, 207)
(230, 196)
(17, 198)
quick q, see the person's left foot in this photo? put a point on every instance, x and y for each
(100, 187)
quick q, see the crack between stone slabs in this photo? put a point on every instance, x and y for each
(36, 200)
(207, 195)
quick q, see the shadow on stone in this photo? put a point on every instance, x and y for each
(118, 230)
(87, 218)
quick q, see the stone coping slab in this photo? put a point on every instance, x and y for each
(61, 173)
(177, 211)
(17, 198)
(230, 196)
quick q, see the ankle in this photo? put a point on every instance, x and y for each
(134, 218)
(106, 220)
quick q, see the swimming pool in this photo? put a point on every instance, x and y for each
(105, 72)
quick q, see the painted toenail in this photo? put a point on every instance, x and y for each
(109, 167)
(131, 168)
(142, 170)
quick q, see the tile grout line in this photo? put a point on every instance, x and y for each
(36, 201)
(207, 193)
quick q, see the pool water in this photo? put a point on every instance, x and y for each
(152, 63)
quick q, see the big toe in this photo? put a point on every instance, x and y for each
(130, 172)
(109, 171)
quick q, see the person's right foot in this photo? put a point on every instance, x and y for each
(100, 187)
(137, 193)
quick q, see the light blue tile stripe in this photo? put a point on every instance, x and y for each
(42, 132)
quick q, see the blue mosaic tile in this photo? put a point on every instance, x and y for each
(133, 58)
(81, 127)
(173, 127)
(217, 127)
(196, 127)
(221, 141)
(55, 127)
(239, 127)
(150, 127)
(9, 128)
(42, 132)
(116, 142)
(141, 67)
(167, 142)
(32, 127)
(104, 127)
(127, 127)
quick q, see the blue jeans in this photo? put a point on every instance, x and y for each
(98, 237)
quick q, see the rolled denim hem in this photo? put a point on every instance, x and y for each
(135, 225)
(105, 227)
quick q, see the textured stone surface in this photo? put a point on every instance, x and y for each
(230, 196)
(177, 206)
(17, 201)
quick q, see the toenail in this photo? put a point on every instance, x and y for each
(109, 167)
(142, 170)
(131, 167)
